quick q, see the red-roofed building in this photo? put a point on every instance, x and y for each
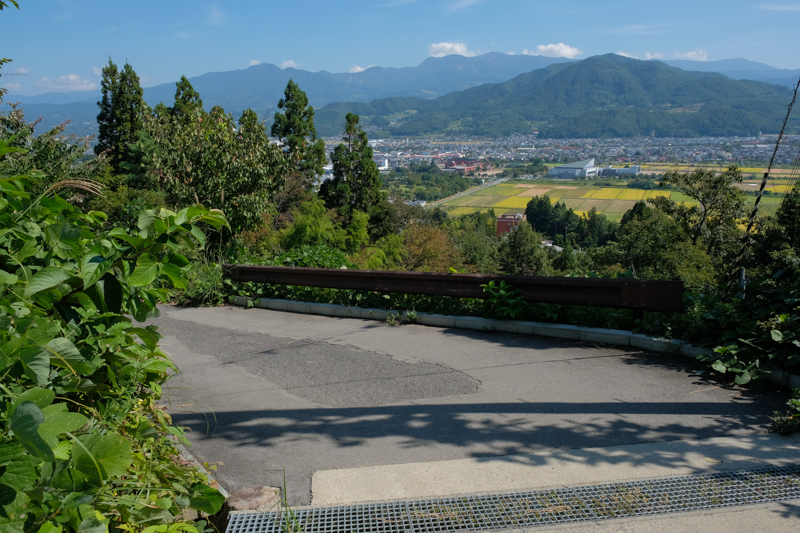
(508, 223)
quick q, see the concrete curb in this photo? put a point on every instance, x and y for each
(561, 331)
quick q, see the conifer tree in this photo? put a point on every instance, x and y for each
(122, 108)
(106, 120)
(295, 127)
(187, 100)
(356, 183)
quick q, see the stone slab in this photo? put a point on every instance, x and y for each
(654, 344)
(559, 331)
(441, 321)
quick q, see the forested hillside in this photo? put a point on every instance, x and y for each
(602, 96)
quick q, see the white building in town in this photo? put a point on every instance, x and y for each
(579, 169)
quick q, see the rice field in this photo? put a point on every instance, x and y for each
(498, 190)
(631, 194)
(514, 201)
(656, 194)
(604, 193)
(613, 202)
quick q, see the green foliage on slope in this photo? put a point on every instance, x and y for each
(602, 96)
(85, 446)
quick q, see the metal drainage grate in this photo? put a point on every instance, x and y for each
(518, 509)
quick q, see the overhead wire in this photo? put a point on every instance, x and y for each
(734, 272)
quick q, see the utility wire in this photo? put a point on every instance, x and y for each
(734, 273)
(792, 181)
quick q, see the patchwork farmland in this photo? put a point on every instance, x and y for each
(513, 196)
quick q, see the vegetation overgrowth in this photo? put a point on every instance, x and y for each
(85, 444)
(89, 244)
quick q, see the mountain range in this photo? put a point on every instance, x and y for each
(261, 86)
(602, 96)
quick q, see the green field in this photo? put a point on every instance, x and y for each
(513, 196)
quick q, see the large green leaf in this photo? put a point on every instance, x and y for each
(149, 336)
(719, 366)
(188, 214)
(36, 363)
(14, 511)
(101, 457)
(175, 275)
(146, 271)
(93, 266)
(206, 499)
(7, 279)
(17, 470)
(199, 235)
(146, 220)
(119, 233)
(57, 421)
(37, 395)
(19, 475)
(25, 422)
(46, 279)
(64, 354)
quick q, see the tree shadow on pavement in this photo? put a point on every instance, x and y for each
(306, 440)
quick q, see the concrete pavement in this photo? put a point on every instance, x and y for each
(265, 391)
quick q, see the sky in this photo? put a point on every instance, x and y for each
(61, 45)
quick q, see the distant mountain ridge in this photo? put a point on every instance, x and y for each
(261, 86)
(740, 69)
(602, 96)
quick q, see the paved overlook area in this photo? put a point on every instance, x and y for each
(267, 391)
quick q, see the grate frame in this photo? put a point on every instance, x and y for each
(538, 507)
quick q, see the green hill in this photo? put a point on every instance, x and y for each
(602, 96)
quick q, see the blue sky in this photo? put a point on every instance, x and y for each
(60, 45)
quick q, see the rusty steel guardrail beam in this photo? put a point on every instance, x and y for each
(643, 295)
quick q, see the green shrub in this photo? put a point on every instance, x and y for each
(85, 446)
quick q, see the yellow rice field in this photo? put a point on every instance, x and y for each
(656, 194)
(603, 194)
(631, 194)
(514, 201)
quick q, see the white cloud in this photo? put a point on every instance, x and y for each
(625, 54)
(255, 62)
(13, 87)
(70, 82)
(654, 55)
(97, 71)
(694, 55)
(216, 17)
(289, 64)
(780, 7)
(446, 49)
(21, 71)
(553, 50)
